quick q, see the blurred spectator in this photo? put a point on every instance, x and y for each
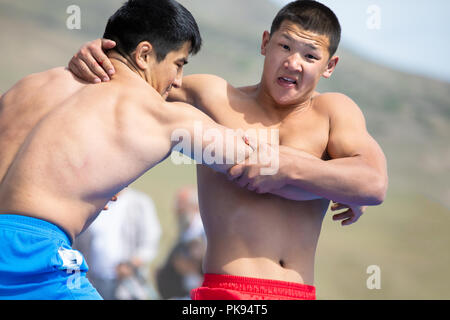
(120, 245)
(188, 214)
(182, 271)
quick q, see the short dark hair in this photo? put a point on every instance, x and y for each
(311, 16)
(166, 24)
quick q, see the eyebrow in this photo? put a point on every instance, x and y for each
(288, 37)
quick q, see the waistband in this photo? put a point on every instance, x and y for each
(260, 286)
(33, 225)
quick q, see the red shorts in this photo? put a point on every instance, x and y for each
(227, 287)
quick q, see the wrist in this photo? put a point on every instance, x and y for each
(288, 168)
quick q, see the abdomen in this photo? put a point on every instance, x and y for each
(272, 236)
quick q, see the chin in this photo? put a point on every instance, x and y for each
(287, 100)
(293, 98)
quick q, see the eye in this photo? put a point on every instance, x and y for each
(310, 56)
(285, 47)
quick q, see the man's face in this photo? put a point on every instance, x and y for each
(168, 73)
(295, 61)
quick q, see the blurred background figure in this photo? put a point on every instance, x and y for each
(120, 245)
(190, 224)
(182, 271)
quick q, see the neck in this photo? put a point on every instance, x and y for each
(268, 103)
(125, 63)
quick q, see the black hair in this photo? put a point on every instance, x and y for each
(166, 24)
(311, 16)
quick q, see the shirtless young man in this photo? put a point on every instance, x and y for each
(261, 242)
(68, 146)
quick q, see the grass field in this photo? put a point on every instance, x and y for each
(407, 237)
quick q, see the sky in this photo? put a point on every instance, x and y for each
(407, 35)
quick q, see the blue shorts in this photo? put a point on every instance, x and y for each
(37, 262)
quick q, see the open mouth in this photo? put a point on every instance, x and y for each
(287, 82)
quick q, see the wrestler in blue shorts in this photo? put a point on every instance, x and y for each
(38, 263)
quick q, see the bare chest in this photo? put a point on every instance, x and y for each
(306, 130)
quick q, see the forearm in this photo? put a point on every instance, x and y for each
(181, 95)
(221, 148)
(294, 193)
(203, 140)
(345, 180)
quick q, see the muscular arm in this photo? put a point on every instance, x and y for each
(191, 131)
(290, 191)
(293, 193)
(203, 91)
(357, 172)
(197, 136)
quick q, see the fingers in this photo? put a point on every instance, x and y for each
(106, 207)
(235, 172)
(91, 63)
(101, 58)
(344, 215)
(73, 67)
(108, 44)
(251, 142)
(94, 68)
(338, 206)
(242, 182)
(348, 217)
(349, 221)
(82, 71)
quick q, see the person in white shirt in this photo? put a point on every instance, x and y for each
(119, 246)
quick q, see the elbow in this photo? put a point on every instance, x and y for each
(378, 191)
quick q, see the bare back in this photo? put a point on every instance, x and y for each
(67, 147)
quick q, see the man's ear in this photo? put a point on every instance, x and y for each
(265, 41)
(330, 67)
(143, 54)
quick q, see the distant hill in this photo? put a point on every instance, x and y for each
(408, 115)
(36, 38)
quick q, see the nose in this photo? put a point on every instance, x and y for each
(178, 81)
(294, 63)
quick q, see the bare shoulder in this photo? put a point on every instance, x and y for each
(337, 105)
(57, 74)
(36, 79)
(137, 98)
(44, 86)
